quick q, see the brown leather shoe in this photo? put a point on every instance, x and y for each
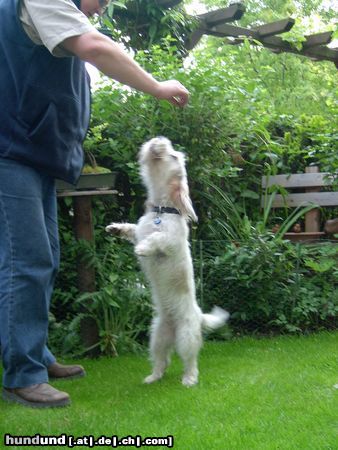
(58, 371)
(37, 396)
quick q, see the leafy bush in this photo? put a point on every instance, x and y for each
(272, 285)
(139, 24)
(267, 283)
(120, 305)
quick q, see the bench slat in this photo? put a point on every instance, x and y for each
(302, 180)
(86, 193)
(294, 200)
(304, 236)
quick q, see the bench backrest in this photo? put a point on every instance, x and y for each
(309, 183)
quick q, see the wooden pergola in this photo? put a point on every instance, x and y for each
(216, 23)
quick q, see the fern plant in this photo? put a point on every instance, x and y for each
(120, 306)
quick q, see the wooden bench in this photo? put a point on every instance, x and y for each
(312, 187)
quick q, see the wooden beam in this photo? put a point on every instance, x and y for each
(273, 42)
(225, 30)
(320, 53)
(194, 38)
(318, 39)
(229, 14)
(273, 28)
(212, 18)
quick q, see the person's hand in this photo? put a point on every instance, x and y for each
(174, 92)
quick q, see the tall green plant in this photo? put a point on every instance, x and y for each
(231, 222)
(121, 304)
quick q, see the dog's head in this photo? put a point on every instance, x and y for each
(163, 172)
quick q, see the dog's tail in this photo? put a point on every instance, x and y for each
(215, 319)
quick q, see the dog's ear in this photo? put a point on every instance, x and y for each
(179, 195)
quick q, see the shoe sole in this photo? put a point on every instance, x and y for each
(13, 398)
(71, 377)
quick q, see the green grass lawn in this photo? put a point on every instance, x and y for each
(253, 394)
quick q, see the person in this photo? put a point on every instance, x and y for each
(44, 116)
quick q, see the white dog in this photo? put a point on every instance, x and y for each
(161, 244)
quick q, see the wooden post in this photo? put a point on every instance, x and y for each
(312, 218)
(331, 226)
(88, 185)
(84, 229)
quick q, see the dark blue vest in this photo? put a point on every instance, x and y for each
(44, 102)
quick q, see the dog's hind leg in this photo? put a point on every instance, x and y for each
(188, 344)
(161, 343)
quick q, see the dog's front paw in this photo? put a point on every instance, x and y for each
(142, 250)
(114, 228)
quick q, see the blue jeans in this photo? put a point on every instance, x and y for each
(29, 260)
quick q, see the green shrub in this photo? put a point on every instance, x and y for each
(120, 305)
(272, 285)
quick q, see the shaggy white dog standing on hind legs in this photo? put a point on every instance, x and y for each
(161, 244)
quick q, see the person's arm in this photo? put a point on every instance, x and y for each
(111, 59)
